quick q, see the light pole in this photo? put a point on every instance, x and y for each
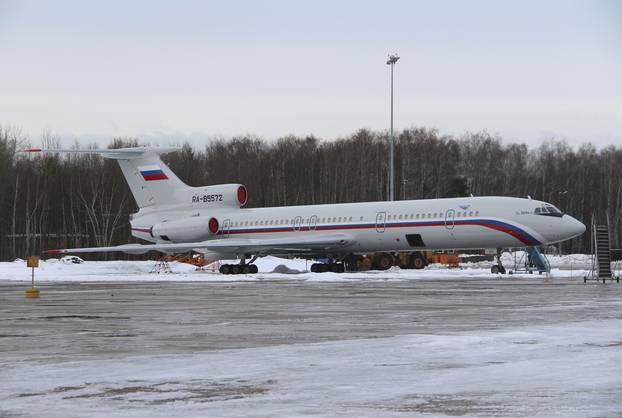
(391, 61)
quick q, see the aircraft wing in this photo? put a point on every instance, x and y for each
(227, 245)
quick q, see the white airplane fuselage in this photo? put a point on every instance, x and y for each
(454, 223)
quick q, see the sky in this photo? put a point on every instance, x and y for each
(191, 70)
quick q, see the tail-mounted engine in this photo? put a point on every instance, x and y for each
(232, 195)
(198, 228)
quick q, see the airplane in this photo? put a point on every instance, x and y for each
(211, 220)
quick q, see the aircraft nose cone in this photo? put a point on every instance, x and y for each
(575, 227)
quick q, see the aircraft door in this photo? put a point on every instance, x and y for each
(297, 223)
(381, 221)
(450, 221)
(450, 217)
(312, 223)
(225, 227)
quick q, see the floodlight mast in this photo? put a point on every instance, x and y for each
(391, 61)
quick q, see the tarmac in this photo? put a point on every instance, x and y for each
(88, 321)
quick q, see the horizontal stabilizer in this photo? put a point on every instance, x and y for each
(116, 154)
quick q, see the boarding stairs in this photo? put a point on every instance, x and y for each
(539, 260)
(531, 260)
(601, 259)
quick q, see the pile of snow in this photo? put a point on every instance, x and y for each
(270, 268)
(564, 262)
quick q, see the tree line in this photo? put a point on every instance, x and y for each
(56, 201)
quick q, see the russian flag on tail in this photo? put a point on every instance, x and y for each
(152, 172)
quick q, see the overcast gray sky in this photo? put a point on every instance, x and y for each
(527, 70)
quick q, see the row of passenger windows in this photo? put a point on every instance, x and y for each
(338, 219)
(430, 215)
(292, 221)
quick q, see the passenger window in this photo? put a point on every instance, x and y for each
(470, 213)
(361, 218)
(350, 219)
(477, 213)
(334, 219)
(339, 219)
(400, 217)
(417, 216)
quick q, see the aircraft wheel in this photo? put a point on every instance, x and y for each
(246, 269)
(323, 268)
(236, 269)
(225, 269)
(254, 269)
(494, 269)
(417, 261)
(337, 268)
(351, 263)
(383, 261)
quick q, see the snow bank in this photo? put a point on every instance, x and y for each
(270, 268)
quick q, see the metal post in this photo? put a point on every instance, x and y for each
(392, 148)
(392, 60)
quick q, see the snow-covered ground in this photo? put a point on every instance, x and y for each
(564, 370)
(463, 344)
(270, 268)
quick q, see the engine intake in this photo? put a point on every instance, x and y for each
(197, 228)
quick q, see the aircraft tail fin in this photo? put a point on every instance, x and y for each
(151, 181)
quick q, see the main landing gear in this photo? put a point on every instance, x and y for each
(238, 269)
(242, 268)
(326, 267)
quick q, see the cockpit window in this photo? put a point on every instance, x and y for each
(548, 210)
(553, 209)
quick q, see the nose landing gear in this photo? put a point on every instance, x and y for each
(498, 268)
